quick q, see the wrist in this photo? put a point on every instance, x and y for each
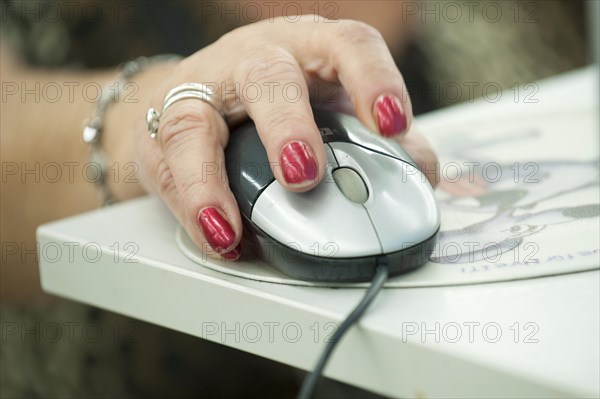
(125, 121)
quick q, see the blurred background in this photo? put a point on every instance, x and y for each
(449, 52)
(438, 45)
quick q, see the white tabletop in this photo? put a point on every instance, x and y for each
(527, 338)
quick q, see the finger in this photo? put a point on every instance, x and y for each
(192, 136)
(156, 176)
(421, 151)
(416, 144)
(380, 97)
(356, 54)
(283, 117)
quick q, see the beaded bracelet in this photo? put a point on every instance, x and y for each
(93, 127)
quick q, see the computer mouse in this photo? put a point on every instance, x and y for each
(373, 202)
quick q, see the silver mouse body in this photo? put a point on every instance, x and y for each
(373, 202)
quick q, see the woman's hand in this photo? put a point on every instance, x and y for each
(264, 71)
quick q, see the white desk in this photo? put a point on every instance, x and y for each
(553, 351)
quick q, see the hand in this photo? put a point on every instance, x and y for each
(255, 64)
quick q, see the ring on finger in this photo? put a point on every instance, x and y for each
(183, 92)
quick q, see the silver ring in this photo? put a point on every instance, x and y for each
(182, 92)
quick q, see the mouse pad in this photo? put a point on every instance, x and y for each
(518, 200)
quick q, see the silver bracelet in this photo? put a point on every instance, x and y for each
(93, 127)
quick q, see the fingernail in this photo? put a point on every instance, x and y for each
(216, 229)
(297, 163)
(233, 254)
(390, 118)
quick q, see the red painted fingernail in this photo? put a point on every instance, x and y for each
(297, 163)
(233, 254)
(390, 118)
(216, 229)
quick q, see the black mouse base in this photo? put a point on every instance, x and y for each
(309, 267)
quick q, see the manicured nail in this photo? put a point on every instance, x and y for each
(216, 229)
(298, 163)
(390, 118)
(233, 254)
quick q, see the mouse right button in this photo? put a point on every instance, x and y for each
(401, 203)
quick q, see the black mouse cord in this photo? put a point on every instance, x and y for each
(310, 381)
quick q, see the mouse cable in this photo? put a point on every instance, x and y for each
(310, 381)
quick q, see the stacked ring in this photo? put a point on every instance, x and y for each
(182, 92)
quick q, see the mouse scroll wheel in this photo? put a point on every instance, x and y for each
(351, 184)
